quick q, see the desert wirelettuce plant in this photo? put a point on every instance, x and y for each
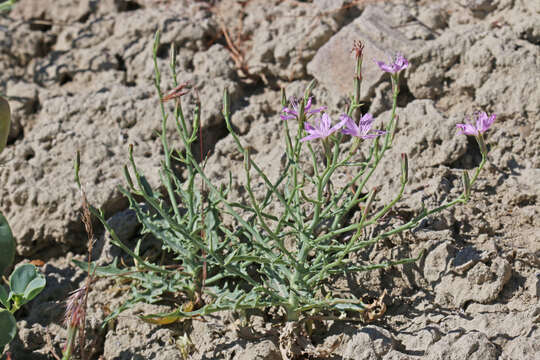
(280, 258)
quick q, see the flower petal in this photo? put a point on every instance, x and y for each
(350, 127)
(338, 126)
(467, 129)
(308, 127)
(308, 105)
(395, 66)
(325, 122)
(287, 117)
(400, 63)
(318, 110)
(484, 122)
(384, 67)
(311, 137)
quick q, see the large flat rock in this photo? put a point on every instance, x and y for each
(334, 63)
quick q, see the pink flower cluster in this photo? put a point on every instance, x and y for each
(323, 125)
(323, 128)
(293, 110)
(483, 122)
(399, 63)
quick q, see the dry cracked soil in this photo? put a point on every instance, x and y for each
(79, 75)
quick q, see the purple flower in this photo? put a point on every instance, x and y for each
(291, 112)
(362, 129)
(399, 64)
(483, 122)
(322, 129)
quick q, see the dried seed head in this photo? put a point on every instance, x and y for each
(358, 49)
(75, 308)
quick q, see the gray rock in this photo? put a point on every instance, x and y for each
(426, 135)
(396, 355)
(279, 49)
(85, 35)
(63, 10)
(434, 16)
(421, 339)
(437, 261)
(458, 345)
(371, 342)
(480, 64)
(466, 258)
(429, 138)
(533, 284)
(131, 339)
(25, 43)
(334, 64)
(80, 66)
(426, 78)
(329, 5)
(480, 5)
(215, 62)
(264, 350)
(482, 283)
(24, 103)
(526, 348)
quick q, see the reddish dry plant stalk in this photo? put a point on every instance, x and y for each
(75, 316)
(87, 220)
(177, 92)
(238, 56)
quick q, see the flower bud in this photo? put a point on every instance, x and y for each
(76, 166)
(481, 144)
(156, 42)
(283, 98)
(309, 88)
(130, 151)
(247, 160)
(301, 113)
(196, 122)
(226, 103)
(466, 184)
(128, 177)
(172, 56)
(404, 168)
(358, 49)
(393, 129)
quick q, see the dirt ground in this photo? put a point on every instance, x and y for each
(78, 75)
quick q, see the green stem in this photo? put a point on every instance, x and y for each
(72, 335)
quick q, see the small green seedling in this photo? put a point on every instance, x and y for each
(25, 283)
